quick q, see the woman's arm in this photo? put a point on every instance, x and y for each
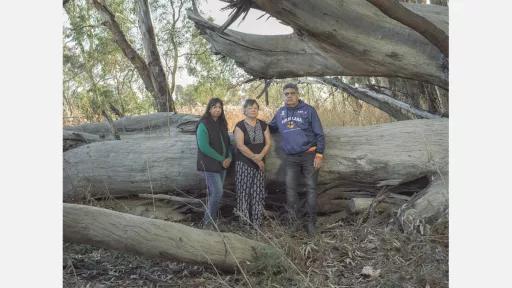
(204, 146)
(268, 142)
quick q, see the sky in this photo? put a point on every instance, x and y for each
(251, 25)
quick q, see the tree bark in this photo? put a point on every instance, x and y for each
(351, 38)
(267, 57)
(418, 94)
(357, 159)
(165, 102)
(397, 11)
(396, 109)
(157, 238)
(73, 139)
(145, 124)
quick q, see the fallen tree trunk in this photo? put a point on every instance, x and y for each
(429, 30)
(74, 139)
(395, 108)
(352, 38)
(172, 198)
(157, 238)
(357, 159)
(140, 123)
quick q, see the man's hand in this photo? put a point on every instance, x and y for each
(226, 163)
(318, 161)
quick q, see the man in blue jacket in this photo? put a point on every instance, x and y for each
(303, 142)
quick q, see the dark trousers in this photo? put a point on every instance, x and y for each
(300, 166)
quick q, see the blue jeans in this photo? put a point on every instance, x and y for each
(215, 186)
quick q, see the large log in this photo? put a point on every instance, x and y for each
(157, 238)
(357, 159)
(139, 123)
(74, 139)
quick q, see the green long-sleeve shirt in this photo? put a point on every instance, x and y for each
(204, 146)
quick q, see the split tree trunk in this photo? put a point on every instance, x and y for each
(157, 238)
(152, 72)
(357, 159)
(165, 102)
(348, 38)
(109, 21)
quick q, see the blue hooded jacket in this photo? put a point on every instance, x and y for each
(299, 127)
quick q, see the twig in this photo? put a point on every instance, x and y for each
(246, 81)
(172, 198)
(265, 90)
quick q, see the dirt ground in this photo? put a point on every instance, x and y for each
(344, 253)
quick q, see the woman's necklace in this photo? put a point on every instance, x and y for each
(251, 129)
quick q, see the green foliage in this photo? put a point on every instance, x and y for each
(215, 75)
(269, 261)
(96, 73)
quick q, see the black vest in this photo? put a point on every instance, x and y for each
(215, 134)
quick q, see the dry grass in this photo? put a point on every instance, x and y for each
(330, 116)
(333, 258)
(348, 114)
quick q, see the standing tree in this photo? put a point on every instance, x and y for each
(151, 72)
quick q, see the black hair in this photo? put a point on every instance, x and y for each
(250, 102)
(291, 85)
(222, 118)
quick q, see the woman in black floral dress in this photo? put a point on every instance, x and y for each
(253, 142)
